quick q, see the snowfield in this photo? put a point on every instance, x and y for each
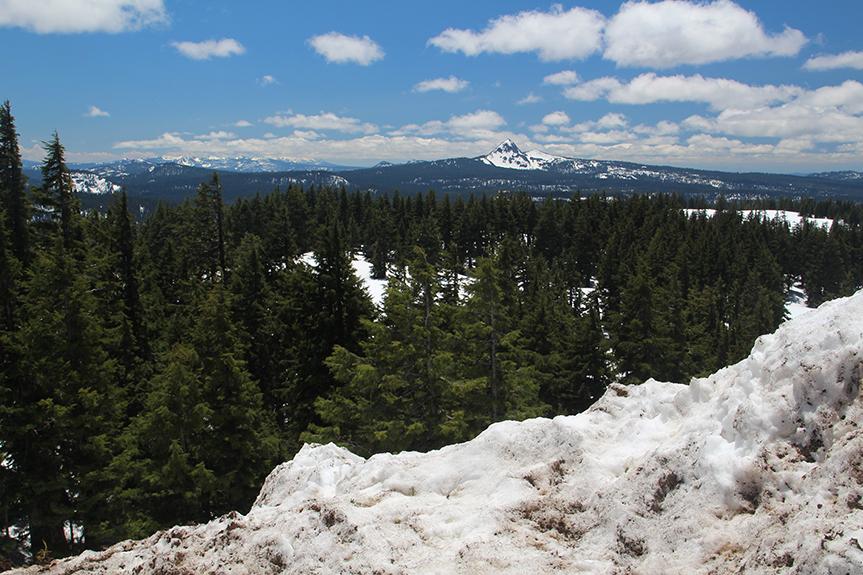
(756, 469)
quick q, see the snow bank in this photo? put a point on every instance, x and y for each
(756, 469)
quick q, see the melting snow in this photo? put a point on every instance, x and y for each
(757, 468)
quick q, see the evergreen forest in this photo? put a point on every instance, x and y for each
(153, 373)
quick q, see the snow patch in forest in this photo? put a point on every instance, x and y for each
(757, 468)
(793, 219)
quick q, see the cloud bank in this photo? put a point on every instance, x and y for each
(323, 121)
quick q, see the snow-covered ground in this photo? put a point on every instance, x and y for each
(794, 219)
(757, 469)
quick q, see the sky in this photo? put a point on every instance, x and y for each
(753, 85)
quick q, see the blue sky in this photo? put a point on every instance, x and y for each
(756, 85)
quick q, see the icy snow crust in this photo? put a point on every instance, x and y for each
(756, 469)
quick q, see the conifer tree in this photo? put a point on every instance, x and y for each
(209, 228)
(13, 188)
(492, 354)
(398, 395)
(322, 308)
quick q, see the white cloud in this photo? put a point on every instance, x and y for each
(662, 128)
(832, 62)
(530, 99)
(95, 112)
(610, 121)
(451, 85)
(209, 48)
(719, 93)
(220, 135)
(342, 49)
(166, 140)
(556, 119)
(674, 32)
(307, 134)
(789, 121)
(565, 78)
(72, 16)
(243, 124)
(323, 121)
(267, 80)
(847, 97)
(477, 125)
(555, 35)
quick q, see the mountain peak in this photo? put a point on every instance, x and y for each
(506, 147)
(507, 155)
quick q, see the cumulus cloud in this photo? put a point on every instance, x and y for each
(95, 112)
(342, 49)
(719, 93)
(74, 16)
(267, 80)
(210, 48)
(556, 119)
(451, 85)
(555, 35)
(674, 32)
(832, 62)
(242, 124)
(564, 78)
(847, 97)
(322, 121)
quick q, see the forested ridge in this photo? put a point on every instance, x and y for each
(152, 374)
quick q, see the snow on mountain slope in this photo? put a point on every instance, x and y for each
(757, 469)
(507, 155)
(85, 182)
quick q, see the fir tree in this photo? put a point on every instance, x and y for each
(397, 395)
(13, 188)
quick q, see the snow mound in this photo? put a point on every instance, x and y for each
(757, 468)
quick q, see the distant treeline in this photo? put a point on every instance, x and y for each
(153, 374)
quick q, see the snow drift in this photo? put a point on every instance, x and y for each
(756, 469)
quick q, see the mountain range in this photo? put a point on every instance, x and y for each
(506, 168)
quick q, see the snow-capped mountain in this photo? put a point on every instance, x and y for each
(240, 164)
(248, 165)
(507, 155)
(755, 469)
(506, 168)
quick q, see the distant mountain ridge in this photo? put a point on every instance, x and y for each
(506, 168)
